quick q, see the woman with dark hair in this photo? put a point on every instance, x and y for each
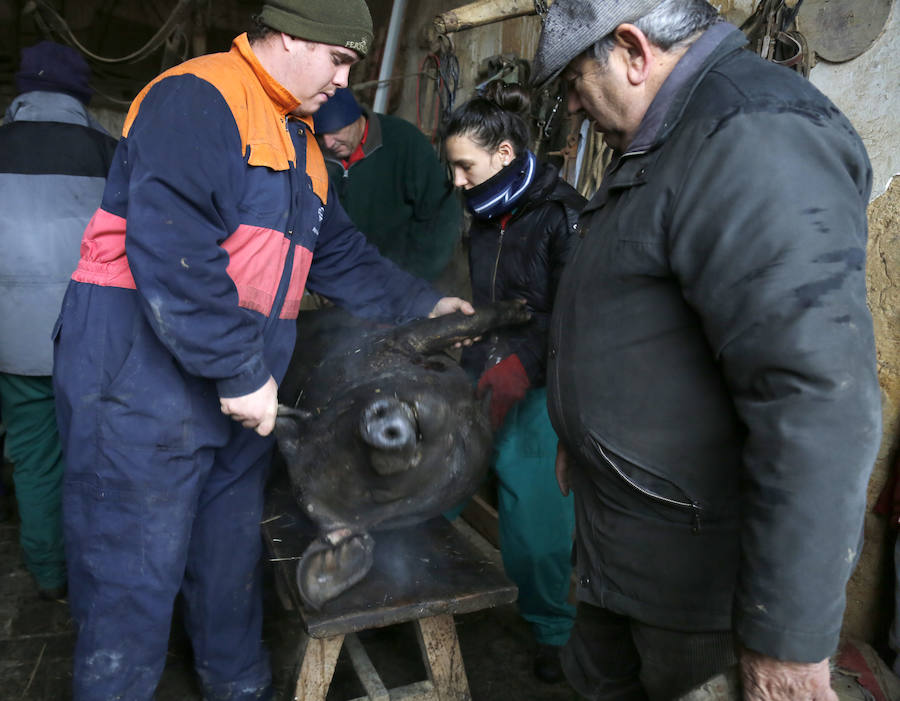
(524, 220)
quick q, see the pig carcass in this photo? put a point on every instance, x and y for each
(384, 431)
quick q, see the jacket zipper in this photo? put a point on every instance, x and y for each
(284, 282)
(497, 260)
(690, 504)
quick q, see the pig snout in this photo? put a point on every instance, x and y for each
(388, 427)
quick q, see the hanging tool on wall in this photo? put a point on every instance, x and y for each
(509, 68)
(444, 67)
(772, 34)
(548, 108)
(841, 30)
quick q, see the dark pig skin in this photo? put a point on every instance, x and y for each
(381, 429)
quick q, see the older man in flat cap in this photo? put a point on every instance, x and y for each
(712, 363)
(176, 327)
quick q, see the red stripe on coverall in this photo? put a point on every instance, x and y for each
(257, 257)
(103, 260)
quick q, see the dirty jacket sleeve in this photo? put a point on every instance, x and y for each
(774, 264)
(183, 193)
(350, 271)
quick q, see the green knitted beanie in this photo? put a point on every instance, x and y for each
(344, 23)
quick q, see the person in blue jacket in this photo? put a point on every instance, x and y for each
(175, 330)
(54, 157)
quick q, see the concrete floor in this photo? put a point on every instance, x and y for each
(37, 637)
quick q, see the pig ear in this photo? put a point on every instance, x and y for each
(287, 432)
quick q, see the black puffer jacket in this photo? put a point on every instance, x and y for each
(523, 260)
(712, 361)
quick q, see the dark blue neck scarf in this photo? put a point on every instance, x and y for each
(500, 193)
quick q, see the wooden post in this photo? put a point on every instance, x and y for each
(483, 12)
(442, 657)
(316, 661)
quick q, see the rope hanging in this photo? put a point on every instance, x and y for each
(57, 24)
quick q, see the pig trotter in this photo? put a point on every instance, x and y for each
(328, 569)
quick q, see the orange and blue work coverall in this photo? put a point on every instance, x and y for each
(215, 217)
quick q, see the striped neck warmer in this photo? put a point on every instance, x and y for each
(499, 193)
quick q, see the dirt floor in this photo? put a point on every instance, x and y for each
(37, 637)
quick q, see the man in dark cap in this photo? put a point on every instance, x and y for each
(54, 157)
(391, 183)
(176, 327)
(712, 362)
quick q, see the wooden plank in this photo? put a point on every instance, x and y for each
(425, 570)
(482, 12)
(483, 518)
(418, 691)
(365, 670)
(318, 659)
(442, 657)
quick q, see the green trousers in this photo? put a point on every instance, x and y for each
(32, 443)
(536, 522)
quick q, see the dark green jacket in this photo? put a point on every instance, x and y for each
(400, 197)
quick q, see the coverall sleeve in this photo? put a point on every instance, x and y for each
(437, 215)
(348, 270)
(183, 151)
(768, 242)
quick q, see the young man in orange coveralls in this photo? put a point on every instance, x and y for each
(176, 328)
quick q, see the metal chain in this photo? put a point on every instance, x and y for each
(540, 7)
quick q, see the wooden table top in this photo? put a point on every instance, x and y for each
(418, 571)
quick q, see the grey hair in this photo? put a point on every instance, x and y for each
(669, 25)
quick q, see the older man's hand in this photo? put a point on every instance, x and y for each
(767, 679)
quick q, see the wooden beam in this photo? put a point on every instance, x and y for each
(483, 518)
(316, 667)
(482, 12)
(442, 657)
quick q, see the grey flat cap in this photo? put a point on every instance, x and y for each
(571, 26)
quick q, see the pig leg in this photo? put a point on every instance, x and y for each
(330, 566)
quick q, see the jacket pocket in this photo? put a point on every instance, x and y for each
(145, 401)
(651, 488)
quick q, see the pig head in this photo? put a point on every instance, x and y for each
(385, 431)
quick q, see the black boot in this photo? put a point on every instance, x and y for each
(546, 664)
(53, 593)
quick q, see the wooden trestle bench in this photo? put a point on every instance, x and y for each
(425, 573)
